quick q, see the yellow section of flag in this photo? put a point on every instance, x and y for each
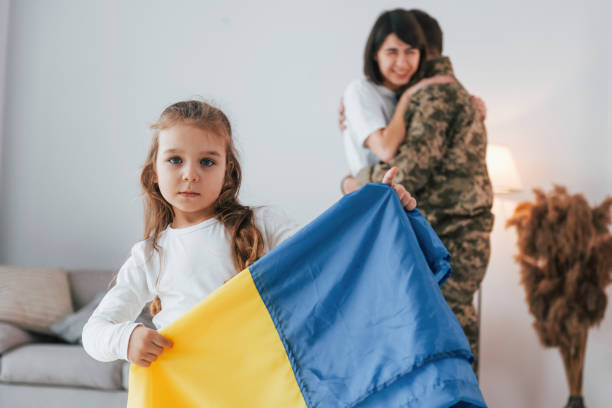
(226, 353)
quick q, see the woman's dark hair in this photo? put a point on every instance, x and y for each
(405, 26)
(432, 31)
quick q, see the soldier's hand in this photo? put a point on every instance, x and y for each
(341, 116)
(145, 345)
(408, 202)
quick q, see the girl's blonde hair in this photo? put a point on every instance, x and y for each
(246, 240)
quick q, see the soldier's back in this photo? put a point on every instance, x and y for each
(459, 191)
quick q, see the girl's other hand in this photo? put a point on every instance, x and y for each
(145, 346)
(408, 202)
(341, 116)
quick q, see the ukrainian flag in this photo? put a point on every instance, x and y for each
(346, 313)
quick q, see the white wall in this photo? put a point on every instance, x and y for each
(4, 12)
(84, 79)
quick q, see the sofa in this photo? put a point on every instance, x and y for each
(43, 370)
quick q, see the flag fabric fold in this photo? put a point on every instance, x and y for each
(346, 313)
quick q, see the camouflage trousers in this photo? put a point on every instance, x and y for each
(470, 252)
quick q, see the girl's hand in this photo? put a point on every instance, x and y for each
(341, 116)
(408, 202)
(145, 346)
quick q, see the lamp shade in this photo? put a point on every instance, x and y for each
(503, 172)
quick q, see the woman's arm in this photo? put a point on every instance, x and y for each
(385, 142)
(425, 145)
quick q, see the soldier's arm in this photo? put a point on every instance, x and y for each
(422, 148)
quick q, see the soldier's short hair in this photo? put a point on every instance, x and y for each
(432, 31)
(405, 26)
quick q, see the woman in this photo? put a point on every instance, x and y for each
(375, 124)
(441, 160)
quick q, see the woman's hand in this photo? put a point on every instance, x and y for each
(480, 106)
(145, 346)
(434, 80)
(408, 202)
(348, 184)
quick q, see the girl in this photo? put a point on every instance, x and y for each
(375, 125)
(197, 234)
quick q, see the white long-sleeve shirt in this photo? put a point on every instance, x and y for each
(194, 262)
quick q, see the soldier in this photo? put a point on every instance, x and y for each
(441, 161)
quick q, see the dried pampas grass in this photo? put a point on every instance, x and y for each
(565, 255)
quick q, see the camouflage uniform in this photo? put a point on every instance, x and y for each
(441, 162)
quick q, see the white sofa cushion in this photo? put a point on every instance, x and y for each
(59, 364)
(34, 298)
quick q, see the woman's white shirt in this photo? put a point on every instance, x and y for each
(368, 107)
(192, 263)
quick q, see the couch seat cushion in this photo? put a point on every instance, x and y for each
(59, 364)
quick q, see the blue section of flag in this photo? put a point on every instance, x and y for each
(433, 249)
(359, 310)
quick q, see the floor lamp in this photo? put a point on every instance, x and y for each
(505, 179)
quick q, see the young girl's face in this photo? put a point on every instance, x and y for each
(190, 170)
(397, 61)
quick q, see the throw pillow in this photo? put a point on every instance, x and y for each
(70, 327)
(12, 336)
(34, 298)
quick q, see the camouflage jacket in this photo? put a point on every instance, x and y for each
(441, 161)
